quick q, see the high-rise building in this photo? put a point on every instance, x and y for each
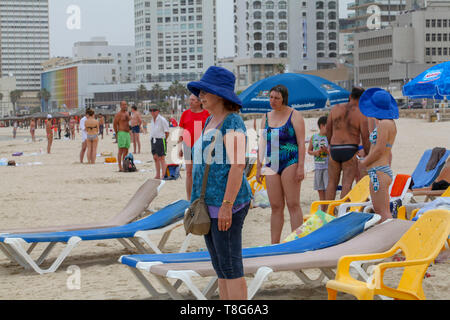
(175, 40)
(302, 35)
(24, 41)
(121, 55)
(415, 41)
(374, 14)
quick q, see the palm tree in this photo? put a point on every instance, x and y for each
(141, 93)
(1, 98)
(45, 95)
(156, 92)
(177, 89)
(15, 95)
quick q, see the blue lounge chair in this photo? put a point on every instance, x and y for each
(160, 222)
(331, 234)
(423, 178)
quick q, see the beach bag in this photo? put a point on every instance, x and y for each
(196, 218)
(128, 164)
(172, 172)
(111, 160)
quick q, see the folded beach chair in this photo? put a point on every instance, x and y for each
(184, 266)
(358, 194)
(397, 191)
(161, 222)
(420, 244)
(135, 208)
(422, 178)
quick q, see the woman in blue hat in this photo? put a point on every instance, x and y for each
(381, 109)
(228, 193)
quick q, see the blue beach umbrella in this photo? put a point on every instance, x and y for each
(433, 83)
(306, 92)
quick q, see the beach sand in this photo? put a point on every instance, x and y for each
(56, 189)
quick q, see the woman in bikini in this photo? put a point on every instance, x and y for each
(92, 130)
(283, 141)
(381, 109)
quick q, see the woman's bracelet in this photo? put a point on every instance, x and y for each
(227, 202)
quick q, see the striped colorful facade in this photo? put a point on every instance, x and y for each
(63, 87)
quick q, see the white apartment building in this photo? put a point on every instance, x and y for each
(175, 40)
(302, 35)
(416, 40)
(123, 56)
(24, 41)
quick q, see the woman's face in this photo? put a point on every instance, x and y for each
(209, 100)
(276, 100)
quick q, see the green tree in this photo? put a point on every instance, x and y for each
(141, 93)
(45, 95)
(15, 95)
(177, 89)
(157, 92)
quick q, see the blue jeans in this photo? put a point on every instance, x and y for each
(225, 247)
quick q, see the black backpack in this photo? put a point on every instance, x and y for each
(128, 165)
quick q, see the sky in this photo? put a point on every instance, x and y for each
(114, 19)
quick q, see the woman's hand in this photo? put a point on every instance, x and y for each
(259, 177)
(225, 217)
(180, 153)
(300, 173)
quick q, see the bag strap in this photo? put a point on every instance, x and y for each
(211, 148)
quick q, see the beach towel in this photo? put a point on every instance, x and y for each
(439, 203)
(436, 155)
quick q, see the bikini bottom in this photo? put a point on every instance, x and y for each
(374, 177)
(343, 152)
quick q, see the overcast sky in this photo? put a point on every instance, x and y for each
(114, 19)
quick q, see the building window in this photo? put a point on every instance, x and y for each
(427, 23)
(427, 37)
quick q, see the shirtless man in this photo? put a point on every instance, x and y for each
(346, 128)
(136, 122)
(33, 130)
(122, 130)
(49, 131)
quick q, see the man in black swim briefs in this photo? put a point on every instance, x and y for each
(347, 128)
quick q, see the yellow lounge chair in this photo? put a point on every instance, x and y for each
(359, 193)
(420, 244)
(251, 178)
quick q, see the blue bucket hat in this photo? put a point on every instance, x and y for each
(378, 103)
(218, 81)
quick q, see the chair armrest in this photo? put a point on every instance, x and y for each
(315, 205)
(344, 206)
(376, 281)
(343, 267)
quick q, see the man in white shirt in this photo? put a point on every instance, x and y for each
(159, 132)
(83, 137)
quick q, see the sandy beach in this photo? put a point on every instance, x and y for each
(55, 189)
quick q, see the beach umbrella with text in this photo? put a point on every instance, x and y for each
(306, 92)
(433, 83)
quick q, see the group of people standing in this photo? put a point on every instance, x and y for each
(364, 124)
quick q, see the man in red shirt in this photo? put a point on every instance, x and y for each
(192, 121)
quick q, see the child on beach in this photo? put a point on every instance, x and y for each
(318, 147)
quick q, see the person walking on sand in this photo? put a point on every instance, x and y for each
(72, 128)
(83, 136)
(136, 122)
(192, 121)
(122, 131)
(381, 109)
(101, 123)
(283, 142)
(228, 192)
(159, 133)
(33, 130)
(92, 129)
(346, 128)
(49, 131)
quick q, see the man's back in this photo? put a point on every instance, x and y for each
(344, 125)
